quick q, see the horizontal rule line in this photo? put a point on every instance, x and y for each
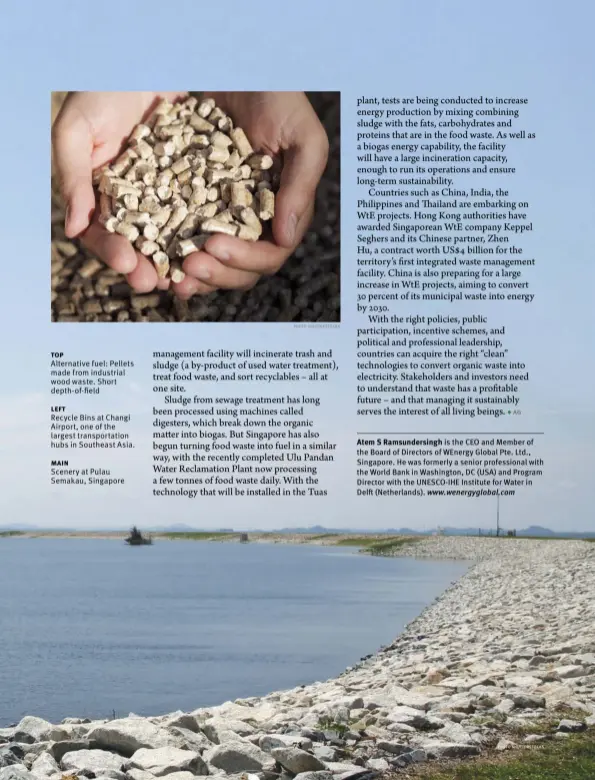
(450, 433)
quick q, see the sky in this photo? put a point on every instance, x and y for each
(538, 50)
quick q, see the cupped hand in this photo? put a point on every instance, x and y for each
(279, 124)
(92, 128)
(89, 131)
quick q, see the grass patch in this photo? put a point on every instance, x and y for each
(328, 724)
(388, 546)
(569, 759)
(11, 533)
(377, 545)
(357, 541)
(321, 536)
(198, 536)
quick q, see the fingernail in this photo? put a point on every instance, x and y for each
(292, 226)
(218, 253)
(203, 273)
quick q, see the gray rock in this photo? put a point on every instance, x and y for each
(239, 756)
(180, 776)
(323, 752)
(32, 729)
(96, 761)
(35, 750)
(164, 761)
(569, 671)
(378, 764)
(297, 761)
(357, 773)
(269, 741)
(218, 730)
(139, 774)
(44, 766)
(7, 758)
(396, 748)
(59, 749)
(454, 732)
(450, 750)
(15, 773)
(322, 775)
(190, 740)
(181, 720)
(571, 726)
(528, 701)
(128, 735)
(409, 716)
(417, 756)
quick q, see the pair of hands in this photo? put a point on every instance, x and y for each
(90, 131)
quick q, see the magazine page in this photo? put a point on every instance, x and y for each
(298, 400)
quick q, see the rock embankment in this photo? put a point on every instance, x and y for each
(505, 656)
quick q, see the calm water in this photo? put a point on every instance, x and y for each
(92, 626)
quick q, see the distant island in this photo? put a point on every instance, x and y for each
(182, 530)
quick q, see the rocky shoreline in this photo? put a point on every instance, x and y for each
(504, 657)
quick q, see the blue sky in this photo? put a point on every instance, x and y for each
(539, 50)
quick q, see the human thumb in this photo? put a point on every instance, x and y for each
(73, 146)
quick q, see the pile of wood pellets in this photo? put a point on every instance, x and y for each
(307, 287)
(185, 174)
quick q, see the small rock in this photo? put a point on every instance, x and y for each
(569, 671)
(58, 749)
(15, 773)
(240, 756)
(417, 756)
(96, 761)
(270, 741)
(190, 740)
(396, 748)
(32, 729)
(45, 766)
(127, 735)
(450, 750)
(378, 764)
(164, 761)
(505, 744)
(322, 775)
(297, 761)
(325, 753)
(528, 701)
(570, 726)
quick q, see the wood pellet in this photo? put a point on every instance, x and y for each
(305, 289)
(176, 164)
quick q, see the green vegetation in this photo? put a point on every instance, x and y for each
(377, 545)
(328, 724)
(11, 533)
(321, 536)
(360, 541)
(567, 759)
(198, 536)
